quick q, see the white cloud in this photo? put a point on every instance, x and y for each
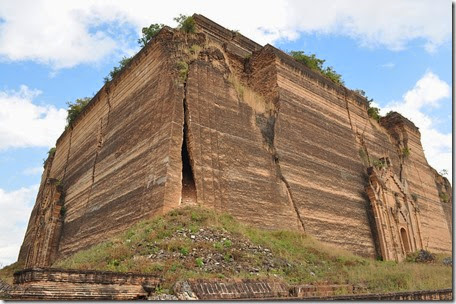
(25, 124)
(16, 207)
(50, 32)
(67, 33)
(429, 91)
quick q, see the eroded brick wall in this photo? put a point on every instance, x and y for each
(286, 156)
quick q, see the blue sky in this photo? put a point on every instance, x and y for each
(399, 52)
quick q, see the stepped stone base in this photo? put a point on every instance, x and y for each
(60, 284)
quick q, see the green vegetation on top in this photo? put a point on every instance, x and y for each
(186, 243)
(372, 111)
(76, 107)
(50, 153)
(148, 33)
(186, 23)
(116, 70)
(316, 64)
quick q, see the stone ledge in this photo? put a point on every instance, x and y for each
(81, 276)
(62, 284)
(68, 284)
(230, 289)
(396, 119)
(441, 294)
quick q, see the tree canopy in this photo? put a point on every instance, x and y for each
(76, 107)
(186, 23)
(316, 64)
(149, 32)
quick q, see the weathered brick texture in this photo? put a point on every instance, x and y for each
(269, 141)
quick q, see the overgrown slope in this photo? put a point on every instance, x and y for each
(194, 242)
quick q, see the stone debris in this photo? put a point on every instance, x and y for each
(448, 261)
(220, 251)
(162, 297)
(184, 291)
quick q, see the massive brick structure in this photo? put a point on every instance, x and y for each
(215, 119)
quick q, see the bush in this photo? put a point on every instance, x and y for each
(116, 70)
(199, 262)
(51, 151)
(372, 111)
(149, 32)
(378, 164)
(63, 211)
(363, 154)
(406, 152)
(444, 197)
(186, 23)
(182, 66)
(76, 107)
(316, 64)
(421, 256)
(333, 75)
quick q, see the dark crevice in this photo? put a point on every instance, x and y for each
(100, 142)
(267, 128)
(188, 179)
(348, 110)
(68, 154)
(289, 193)
(367, 162)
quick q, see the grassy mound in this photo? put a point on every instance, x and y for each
(6, 273)
(199, 243)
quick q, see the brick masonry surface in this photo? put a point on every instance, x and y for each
(60, 284)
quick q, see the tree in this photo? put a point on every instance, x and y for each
(76, 107)
(311, 60)
(333, 75)
(116, 70)
(316, 64)
(149, 32)
(186, 23)
(372, 111)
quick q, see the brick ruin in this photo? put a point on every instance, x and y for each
(63, 284)
(217, 120)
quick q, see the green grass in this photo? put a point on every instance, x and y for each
(6, 273)
(299, 258)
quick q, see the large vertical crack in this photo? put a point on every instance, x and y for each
(267, 127)
(367, 162)
(348, 110)
(188, 194)
(100, 142)
(68, 153)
